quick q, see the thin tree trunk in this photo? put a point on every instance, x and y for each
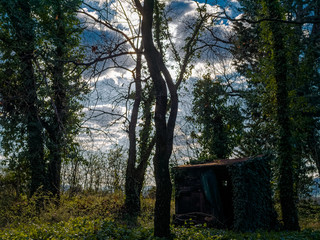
(132, 193)
(135, 174)
(312, 56)
(59, 104)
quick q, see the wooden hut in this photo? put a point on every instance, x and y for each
(227, 193)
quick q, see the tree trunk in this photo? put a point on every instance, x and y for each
(35, 145)
(287, 194)
(164, 131)
(312, 56)
(54, 168)
(59, 104)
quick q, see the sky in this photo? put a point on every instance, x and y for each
(111, 87)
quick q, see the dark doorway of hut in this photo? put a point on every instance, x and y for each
(204, 195)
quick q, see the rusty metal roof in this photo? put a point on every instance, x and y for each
(218, 162)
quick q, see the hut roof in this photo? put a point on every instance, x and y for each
(218, 162)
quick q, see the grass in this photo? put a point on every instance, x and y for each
(309, 213)
(101, 217)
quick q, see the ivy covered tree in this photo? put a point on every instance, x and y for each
(61, 29)
(40, 87)
(280, 76)
(19, 81)
(139, 98)
(270, 51)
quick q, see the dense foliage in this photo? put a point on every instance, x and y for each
(41, 89)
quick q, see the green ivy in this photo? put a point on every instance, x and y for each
(252, 195)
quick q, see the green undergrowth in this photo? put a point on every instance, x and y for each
(101, 217)
(76, 228)
(83, 228)
(213, 234)
(309, 214)
(23, 210)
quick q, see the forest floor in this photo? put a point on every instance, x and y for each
(93, 216)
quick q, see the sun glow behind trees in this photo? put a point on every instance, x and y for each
(116, 81)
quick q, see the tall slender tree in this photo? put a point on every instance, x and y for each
(62, 32)
(141, 140)
(138, 159)
(20, 25)
(164, 121)
(280, 74)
